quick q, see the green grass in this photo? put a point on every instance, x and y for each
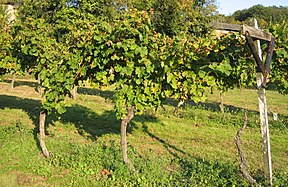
(196, 148)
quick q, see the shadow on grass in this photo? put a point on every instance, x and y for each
(22, 83)
(93, 91)
(196, 171)
(81, 90)
(211, 106)
(30, 106)
(108, 95)
(88, 123)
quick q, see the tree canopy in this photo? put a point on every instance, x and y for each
(263, 14)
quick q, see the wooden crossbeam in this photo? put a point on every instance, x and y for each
(226, 26)
(254, 32)
(257, 33)
(11, 2)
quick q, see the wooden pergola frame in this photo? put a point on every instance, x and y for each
(250, 33)
(253, 35)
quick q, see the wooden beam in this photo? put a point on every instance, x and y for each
(226, 26)
(268, 60)
(254, 32)
(255, 52)
(257, 33)
(11, 2)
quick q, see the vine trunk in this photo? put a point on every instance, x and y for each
(124, 123)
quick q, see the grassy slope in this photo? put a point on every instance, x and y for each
(194, 149)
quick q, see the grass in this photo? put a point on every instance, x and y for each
(195, 148)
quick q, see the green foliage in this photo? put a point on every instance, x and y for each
(168, 18)
(127, 55)
(7, 62)
(146, 56)
(140, 4)
(45, 9)
(187, 16)
(47, 60)
(145, 66)
(64, 44)
(138, 72)
(3, 39)
(263, 14)
(3, 17)
(50, 43)
(279, 65)
(99, 8)
(237, 67)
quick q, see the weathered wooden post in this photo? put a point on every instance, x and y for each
(11, 13)
(263, 114)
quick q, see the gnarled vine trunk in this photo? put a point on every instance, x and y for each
(124, 123)
(13, 80)
(221, 105)
(42, 120)
(74, 92)
(243, 165)
(180, 103)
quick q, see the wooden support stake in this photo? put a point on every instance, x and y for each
(263, 118)
(268, 60)
(257, 33)
(254, 47)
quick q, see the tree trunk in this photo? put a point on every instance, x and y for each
(124, 124)
(13, 80)
(42, 119)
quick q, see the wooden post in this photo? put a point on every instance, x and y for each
(11, 13)
(263, 116)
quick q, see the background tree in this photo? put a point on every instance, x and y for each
(263, 14)
(188, 16)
